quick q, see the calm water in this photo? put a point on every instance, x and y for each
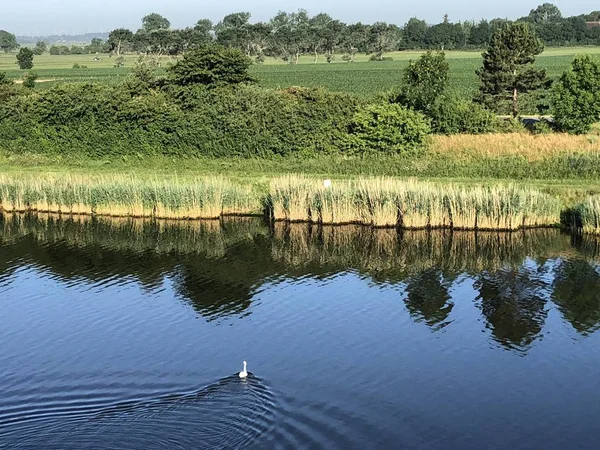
(129, 335)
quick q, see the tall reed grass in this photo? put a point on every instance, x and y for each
(122, 196)
(587, 215)
(386, 202)
(378, 202)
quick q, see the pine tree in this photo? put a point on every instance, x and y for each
(508, 66)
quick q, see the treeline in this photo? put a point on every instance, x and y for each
(289, 35)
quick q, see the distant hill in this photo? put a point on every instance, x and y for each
(62, 39)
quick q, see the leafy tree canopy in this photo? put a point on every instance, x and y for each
(8, 41)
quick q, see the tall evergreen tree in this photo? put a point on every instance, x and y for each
(508, 66)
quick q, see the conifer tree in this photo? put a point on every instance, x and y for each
(508, 66)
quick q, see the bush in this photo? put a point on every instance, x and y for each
(119, 62)
(510, 125)
(388, 128)
(542, 126)
(377, 58)
(211, 65)
(4, 80)
(29, 80)
(451, 115)
(576, 96)
(423, 82)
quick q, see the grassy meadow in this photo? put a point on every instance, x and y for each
(362, 78)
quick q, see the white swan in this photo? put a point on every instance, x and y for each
(244, 373)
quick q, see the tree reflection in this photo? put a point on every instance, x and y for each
(577, 294)
(219, 266)
(428, 299)
(513, 304)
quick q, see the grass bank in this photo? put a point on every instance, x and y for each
(564, 166)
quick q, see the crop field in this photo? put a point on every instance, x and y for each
(361, 78)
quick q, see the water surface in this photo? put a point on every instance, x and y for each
(129, 334)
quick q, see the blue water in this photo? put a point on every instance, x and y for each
(129, 336)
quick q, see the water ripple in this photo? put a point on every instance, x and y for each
(230, 413)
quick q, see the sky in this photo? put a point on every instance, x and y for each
(43, 17)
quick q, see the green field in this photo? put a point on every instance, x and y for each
(361, 78)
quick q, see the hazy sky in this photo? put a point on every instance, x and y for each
(43, 17)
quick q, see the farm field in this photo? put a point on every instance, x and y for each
(362, 78)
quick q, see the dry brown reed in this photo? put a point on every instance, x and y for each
(527, 145)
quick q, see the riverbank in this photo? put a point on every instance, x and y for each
(372, 201)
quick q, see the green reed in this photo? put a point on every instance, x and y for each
(588, 215)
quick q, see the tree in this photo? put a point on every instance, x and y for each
(355, 39)
(415, 31)
(545, 13)
(445, 35)
(290, 34)
(97, 46)
(508, 66)
(154, 22)
(119, 38)
(77, 50)
(8, 41)
(382, 37)
(576, 96)
(211, 65)
(480, 34)
(25, 59)
(234, 31)
(40, 48)
(424, 81)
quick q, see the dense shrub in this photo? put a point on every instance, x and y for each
(98, 120)
(452, 115)
(250, 121)
(388, 128)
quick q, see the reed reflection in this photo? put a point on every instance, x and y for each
(220, 266)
